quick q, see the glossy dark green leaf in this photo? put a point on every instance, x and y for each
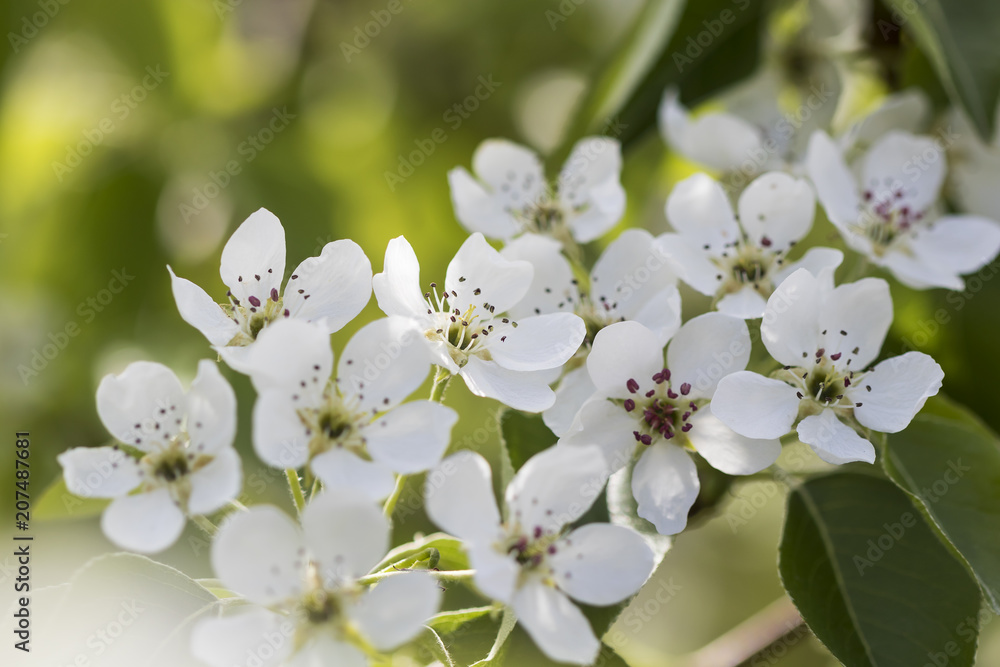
(959, 39)
(950, 463)
(871, 579)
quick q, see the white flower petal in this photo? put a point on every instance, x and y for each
(694, 264)
(590, 183)
(201, 311)
(621, 352)
(458, 497)
(211, 410)
(499, 163)
(293, 355)
(229, 640)
(856, 316)
(747, 304)
(601, 564)
(383, 363)
(253, 260)
(99, 472)
(631, 271)
(815, 261)
(833, 441)
(145, 522)
(394, 612)
(537, 343)
(343, 470)
(958, 243)
(260, 554)
(496, 573)
(555, 487)
(480, 210)
(478, 274)
(140, 405)
(572, 392)
(778, 208)
(717, 140)
(699, 209)
(397, 288)
(790, 326)
(906, 163)
(661, 314)
(755, 406)
(899, 388)
(706, 349)
(521, 390)
(346, 533)
(665, 485)
(918, 272)
(237, 357)
(552, 288)
(324, 650)
(412, 437)
(607, 426)
(727, 450)
(557, 625)
(280, 438)
(217, 483)
(331, 289)
(835, 186)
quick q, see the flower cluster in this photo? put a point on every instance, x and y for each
(598, 350)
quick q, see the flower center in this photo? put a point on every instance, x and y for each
(661, 410)
(464, 333)
(253, 315)
(743, 263)
(824, 384)
(885, 217)
(320, 606)
(334, 424)
(530, 552)
(171, 466)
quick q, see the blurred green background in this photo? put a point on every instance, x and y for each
(118, 122)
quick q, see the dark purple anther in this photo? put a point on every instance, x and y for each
(686, 388)
(835, 356)
(632, 386)
(629, 405)
(254, 301)
(686, 427)
(274, 294)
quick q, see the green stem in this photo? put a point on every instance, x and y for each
(296, 488)
(206, 525)
(390, 503)
(237, 505)
(441, 379)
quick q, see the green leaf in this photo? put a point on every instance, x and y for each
(871, 579)
(56, 502)
(666, 51)
(118, 609)
(951, 467)
(495, 656)
(523, 436)
(432, 641)
(449, 621)
(452, 554)
(959, 39)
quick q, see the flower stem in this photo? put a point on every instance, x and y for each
(296, 488)
(441, 379)
(237, 505)
(206, 525)
(390, 502)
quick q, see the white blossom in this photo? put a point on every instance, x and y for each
(328, 290)
(187, 465)
(466, 328)
(529, 559)
(307, 606)
(509, 194)
(827, 337)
